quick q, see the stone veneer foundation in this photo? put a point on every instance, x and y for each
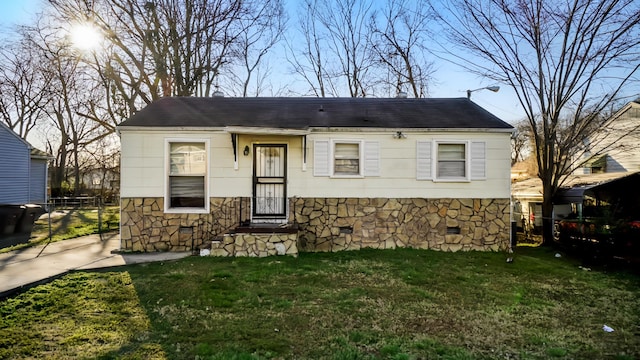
(324, 224)
(255, 245)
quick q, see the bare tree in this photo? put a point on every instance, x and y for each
(566, 61)
(262, 29)
(345, 22)
(71, 93)
(521, 140)
(308, 57)
(100, 168)
(336, 53)
(72, 96)
(24, 87)
(399, 43)
(161, 47)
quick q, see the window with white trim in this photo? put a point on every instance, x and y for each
(346, 158)
(451, 160)
(187, 176)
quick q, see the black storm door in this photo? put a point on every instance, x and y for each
(270, 181)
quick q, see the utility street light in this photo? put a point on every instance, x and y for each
(490, 88)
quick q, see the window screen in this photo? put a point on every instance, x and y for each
(346, 159)
(451, 161)
(188, 167)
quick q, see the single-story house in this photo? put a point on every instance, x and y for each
(333, 173)
(23, 170)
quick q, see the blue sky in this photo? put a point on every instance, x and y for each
(17, 11)
(450, 81)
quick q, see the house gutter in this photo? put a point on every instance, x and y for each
(299, 132)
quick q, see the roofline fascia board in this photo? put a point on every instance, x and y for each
(170, 128)
(226, 130)
(297, 132)
(408, 130)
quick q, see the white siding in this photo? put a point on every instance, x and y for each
(398, 171)
(38, 182)
(619, 141)
(143, 165)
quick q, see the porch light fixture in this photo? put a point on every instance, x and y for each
(490, 88)
(246, 150)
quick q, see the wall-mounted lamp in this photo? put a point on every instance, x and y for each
(246, 150)
(399, 135)
(490, 88)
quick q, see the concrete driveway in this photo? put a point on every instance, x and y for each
(23, 268)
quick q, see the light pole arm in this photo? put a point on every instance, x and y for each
(490, 88)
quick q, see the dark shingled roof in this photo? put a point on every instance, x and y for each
(310, 112)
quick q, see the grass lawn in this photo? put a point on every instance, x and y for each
(69, 224)
(369, 304)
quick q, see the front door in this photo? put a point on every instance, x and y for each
(269, 182)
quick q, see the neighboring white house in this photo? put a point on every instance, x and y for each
(527, 196)
(345, 173)
(23, 170)
(609, 155)
(616, 148)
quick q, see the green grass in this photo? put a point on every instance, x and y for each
(69, 224)
(369, 304)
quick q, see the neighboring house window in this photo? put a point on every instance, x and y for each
(451, 160)
(346, 158)
(187, 182)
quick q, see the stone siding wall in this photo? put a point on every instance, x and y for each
(326, 224)
(335, 224)
(255, 245)
(146, 227)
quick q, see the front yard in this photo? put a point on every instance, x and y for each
(69, 223)
(369, 304)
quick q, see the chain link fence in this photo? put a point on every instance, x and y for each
(59, 219)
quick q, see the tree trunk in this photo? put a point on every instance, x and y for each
(547, 216)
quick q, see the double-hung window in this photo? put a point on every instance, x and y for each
(452, 162)
(458, 161)
(342, 158)
(346, 159)
(187, 176)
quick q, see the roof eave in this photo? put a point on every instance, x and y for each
(293, 131)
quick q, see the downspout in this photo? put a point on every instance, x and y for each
(304, 152)
(234, 144)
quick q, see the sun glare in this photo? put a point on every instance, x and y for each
(85, 37)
